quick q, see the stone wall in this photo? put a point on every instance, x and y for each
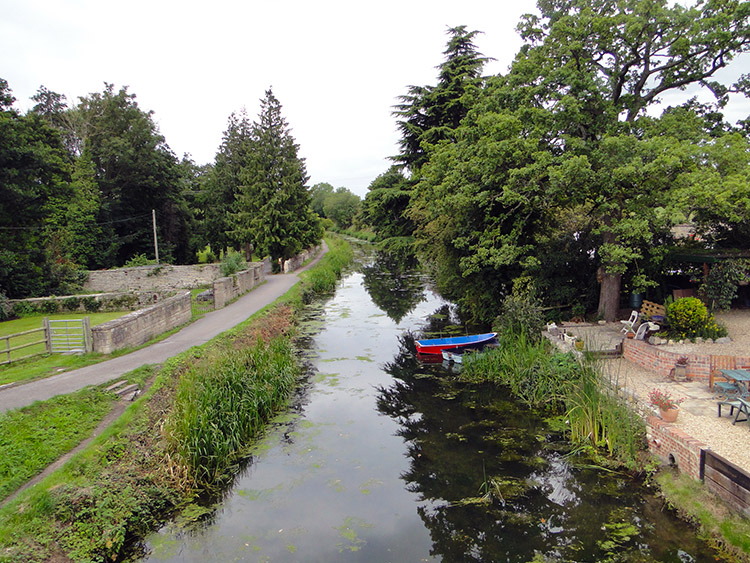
(661, 361)
(229, 288)
(140, 326)
(94, 302)
(153, 278)
(296, 262)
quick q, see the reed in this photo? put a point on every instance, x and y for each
(324, 276)
(223, 401)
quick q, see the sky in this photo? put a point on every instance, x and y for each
(337, 67)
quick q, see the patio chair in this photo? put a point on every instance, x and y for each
(731, 403)
(744, 407)
(629, 325)
(645, 328)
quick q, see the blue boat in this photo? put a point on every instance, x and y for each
(437, 345)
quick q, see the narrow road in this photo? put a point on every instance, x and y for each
(199, 332)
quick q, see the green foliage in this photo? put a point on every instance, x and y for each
(723, 281)
(521, 314)
(222, 401)
(71, 303)
(688, 318)
(49, 306)
(139, 260)
(325, 275)
(24, 309)
(232, 262)
(91, 304)
(206, 256)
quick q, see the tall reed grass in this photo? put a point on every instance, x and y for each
(597, 415)
(222, 401)
(324, 276)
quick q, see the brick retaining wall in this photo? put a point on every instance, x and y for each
(672, 445)
(140, 326)
(661, 360)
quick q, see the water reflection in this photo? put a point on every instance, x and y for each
(494, 483)
(393, 284)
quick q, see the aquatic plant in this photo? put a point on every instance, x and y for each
(222, 401)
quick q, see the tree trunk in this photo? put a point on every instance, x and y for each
(609, 296)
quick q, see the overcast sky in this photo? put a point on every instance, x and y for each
(337, 67)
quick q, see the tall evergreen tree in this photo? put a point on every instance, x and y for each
(272, 210)
(217, 198)
(428, 114)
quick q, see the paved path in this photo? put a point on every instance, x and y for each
(199, 332)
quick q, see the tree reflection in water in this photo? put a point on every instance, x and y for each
(393, 284)
(494, 485)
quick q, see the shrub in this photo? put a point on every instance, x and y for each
(206, 256)
(71, 303)
(24, 309)
(723, 280)
(689, 318)
(232, 262)
(521, 314)
(49, 307)
(91, 304)
(139, 260)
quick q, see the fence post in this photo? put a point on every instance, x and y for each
(88, 344)
(47, 334)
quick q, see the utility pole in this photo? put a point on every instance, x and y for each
(156, 243)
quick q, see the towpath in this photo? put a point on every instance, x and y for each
(199, 332)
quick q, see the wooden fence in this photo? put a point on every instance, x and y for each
(727, 480)
(56, 336)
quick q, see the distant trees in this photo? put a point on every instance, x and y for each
(341, 206)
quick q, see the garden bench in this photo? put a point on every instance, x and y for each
(653, 311)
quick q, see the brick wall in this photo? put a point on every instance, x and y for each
(672, 445)
(661, 360)
(140, 326)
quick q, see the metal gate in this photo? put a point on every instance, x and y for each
(71, 336)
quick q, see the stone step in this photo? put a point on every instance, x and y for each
(116, 384)
(131, 391)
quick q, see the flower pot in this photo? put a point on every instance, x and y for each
(630, 335)
(669, 415)
(680, 373)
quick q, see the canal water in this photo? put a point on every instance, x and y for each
(383, 458)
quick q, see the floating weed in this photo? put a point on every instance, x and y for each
(331, 379)
(291, 548)
(364, 359)
(336, 485)
(335, 359)
(366, 487)
(348, 532)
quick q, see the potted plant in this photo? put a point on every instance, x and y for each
(579, 344)
(668, 407)
(680, 368)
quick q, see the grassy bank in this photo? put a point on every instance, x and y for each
(186, 433)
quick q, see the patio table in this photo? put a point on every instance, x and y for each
(739, 376)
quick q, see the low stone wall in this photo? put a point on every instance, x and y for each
(94, 302)
(153, 278)
(140, 326)
(296, 262)
(661, 360)
(228, 288)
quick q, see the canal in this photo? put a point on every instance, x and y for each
(383, 458)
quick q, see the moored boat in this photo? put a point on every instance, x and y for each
(437, 345)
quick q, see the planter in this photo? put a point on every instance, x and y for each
(669, 415)
(680, 373)
(630, 334)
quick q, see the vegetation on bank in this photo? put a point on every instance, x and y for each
(139, 471)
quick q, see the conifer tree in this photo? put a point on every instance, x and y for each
(272, 210)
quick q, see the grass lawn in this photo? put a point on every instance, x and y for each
(43, 364)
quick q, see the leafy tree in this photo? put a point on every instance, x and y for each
(567, 130)
(34, 173)
(272, 210)
(342, 207)
(384, 208)
(136, 173)
(318, 195)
